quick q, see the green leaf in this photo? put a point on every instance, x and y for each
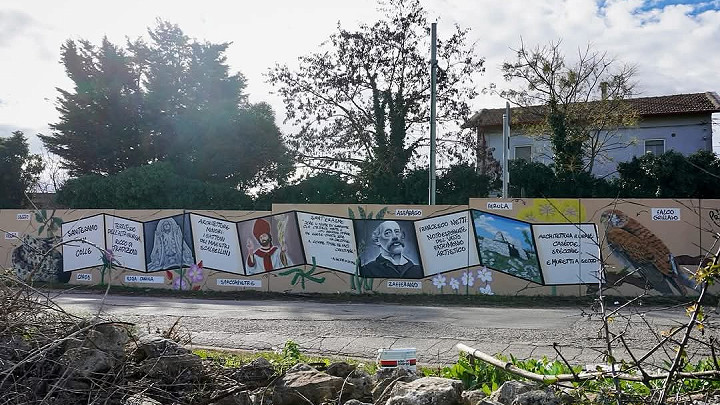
(381, 214)
(361, 211)
(351, 214)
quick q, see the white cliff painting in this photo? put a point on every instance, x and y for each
(506, 245)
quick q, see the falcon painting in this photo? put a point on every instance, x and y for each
(640, 249)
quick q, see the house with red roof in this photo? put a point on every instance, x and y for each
(680, 122)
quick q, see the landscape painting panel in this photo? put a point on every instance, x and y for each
(506, 245)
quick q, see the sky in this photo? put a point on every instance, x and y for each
(675, 44)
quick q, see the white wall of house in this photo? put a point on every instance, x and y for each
(685, 135)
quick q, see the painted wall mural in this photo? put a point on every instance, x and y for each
(640, 251)
(28, 251)
(490, 246)
(83, 243)
(270, 243)
(506, 245)
(388, 249)
(168, 243)
(125, 239)
(216, 244)
(330, 240)
(553, 210)
(446, 243)
(568, 253)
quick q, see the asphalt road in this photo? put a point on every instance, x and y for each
(359, 329)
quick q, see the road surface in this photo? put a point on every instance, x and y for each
(359, 329)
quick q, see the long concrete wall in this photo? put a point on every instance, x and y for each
(490, 246)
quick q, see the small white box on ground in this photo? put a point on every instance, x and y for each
(403, 358)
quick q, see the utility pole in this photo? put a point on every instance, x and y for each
(433, 80)
(506, 151)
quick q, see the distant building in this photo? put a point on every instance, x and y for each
(681, 122)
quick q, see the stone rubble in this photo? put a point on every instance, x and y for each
(151, 370)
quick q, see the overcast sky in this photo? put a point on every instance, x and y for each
(675, 44)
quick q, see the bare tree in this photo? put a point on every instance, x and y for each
(578, 106)
(361, 103)
(54, 176)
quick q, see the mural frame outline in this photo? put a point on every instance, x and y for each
(491, 267)
(244, 254)
(142, 224)
(104, 243)
(309, 262)
(379, 221)
(191, 244)
(472, 238)
(599, 246)
(234, 223)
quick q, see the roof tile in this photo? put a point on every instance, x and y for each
(707, 102)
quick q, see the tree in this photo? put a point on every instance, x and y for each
(487, 165)
(530, 179)
(154, 186)
(455, 185)
(321, 188)
(670, 175)
(361, 104)
(577, 105)
(461, 182)
(198, 114)
(19, 170)
(167, 99)
(99, 131)
(537, 180)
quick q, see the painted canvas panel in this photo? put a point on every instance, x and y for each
(124, 238)
(388, 249)
(330, 240)
(168, 243)
(506, 245)
(270, 243)
(83, 243)
(568, 253)
(216, 244)
(651, 244)
(445, 243)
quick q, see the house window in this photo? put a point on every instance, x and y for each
(524, 153)
(655, 146)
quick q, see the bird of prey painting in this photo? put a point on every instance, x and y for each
(640, 249)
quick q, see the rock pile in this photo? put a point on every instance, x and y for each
(107, 363)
